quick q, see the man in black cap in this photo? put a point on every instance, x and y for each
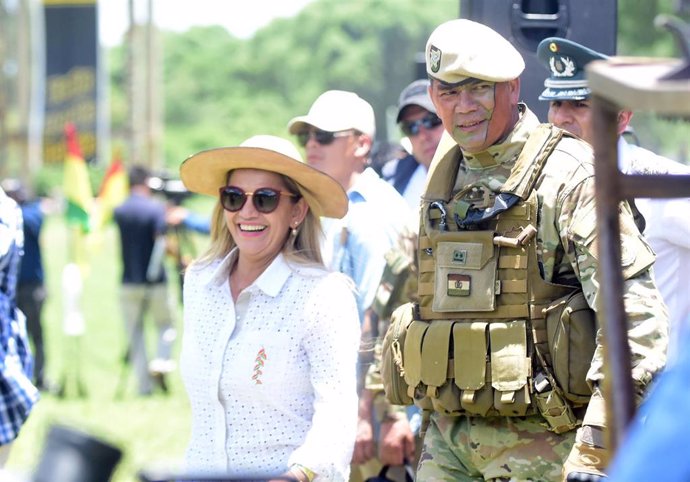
(419, 123)
(666, 224)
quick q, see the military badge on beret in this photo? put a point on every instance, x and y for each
(434, 58)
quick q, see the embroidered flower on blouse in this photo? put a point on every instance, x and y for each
(260, 361)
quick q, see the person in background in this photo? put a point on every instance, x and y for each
(385, 152)
(666, 221)
(144, 291)
(183, 217)
(399, 434)
(31, 290)
(337, 134)
(270, 335)
(418, 121)
(507, 253)
(18, 394)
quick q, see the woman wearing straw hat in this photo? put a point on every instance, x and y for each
(270, 337)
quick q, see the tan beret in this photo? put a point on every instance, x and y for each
(461, 49)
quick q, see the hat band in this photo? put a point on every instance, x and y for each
(565, 84)
(565, 94)
(460, 83)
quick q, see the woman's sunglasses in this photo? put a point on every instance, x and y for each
(413, 128)
(265, 199)
(322, 137)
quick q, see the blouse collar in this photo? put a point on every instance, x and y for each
(271, 281)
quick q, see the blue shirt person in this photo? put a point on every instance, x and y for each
(17, 393)
(655, 447)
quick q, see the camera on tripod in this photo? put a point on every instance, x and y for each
(173, 189)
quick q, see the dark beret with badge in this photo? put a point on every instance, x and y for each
(566, 62)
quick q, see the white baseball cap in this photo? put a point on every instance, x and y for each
(337, 110)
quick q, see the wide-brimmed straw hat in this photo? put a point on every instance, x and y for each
(206, 171)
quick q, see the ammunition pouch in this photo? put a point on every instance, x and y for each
(571, 340)
(392, 362)
(476, 368)
(455, 376)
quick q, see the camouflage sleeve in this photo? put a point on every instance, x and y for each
(373, 380)
(646, 312)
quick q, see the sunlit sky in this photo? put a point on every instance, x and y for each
(241, 17)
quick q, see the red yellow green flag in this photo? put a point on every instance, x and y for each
(114, 189)
(76, 182)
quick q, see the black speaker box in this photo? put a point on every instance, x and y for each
(527, 22)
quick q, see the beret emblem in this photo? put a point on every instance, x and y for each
(434, 58)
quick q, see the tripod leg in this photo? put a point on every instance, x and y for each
(81, 389)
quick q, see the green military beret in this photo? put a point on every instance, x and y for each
(566, 62)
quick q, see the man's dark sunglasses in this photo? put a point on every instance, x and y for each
(413, 128)
(265, 199)
(322, 137)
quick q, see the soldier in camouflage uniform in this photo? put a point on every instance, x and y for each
(516, 197)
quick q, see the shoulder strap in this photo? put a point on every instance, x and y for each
(529, 164)
(443, 170)
(538, 147)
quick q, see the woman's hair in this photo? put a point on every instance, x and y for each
(303, 248)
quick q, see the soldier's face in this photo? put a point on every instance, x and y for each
(574, 116)
(477, 114)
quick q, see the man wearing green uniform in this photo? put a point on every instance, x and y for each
(504, 349)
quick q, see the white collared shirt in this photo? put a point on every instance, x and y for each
(668, 233)
(272, 378)
(356, 245)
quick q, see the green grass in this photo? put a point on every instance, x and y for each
(150, 431)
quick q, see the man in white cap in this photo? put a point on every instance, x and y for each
(666, 221)
(508, 259)
(337, 134)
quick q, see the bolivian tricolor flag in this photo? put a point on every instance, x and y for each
(114, 189)
(76, 183)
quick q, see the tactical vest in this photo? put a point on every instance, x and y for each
(489, 336)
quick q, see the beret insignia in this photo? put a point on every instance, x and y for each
(434, 58)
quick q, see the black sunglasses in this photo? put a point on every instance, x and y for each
(322, 137)
(413, 128)
(265, 199)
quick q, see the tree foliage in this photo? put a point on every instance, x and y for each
(219, 90)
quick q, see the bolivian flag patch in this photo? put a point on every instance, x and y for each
(458, 285)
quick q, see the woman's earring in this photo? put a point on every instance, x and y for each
(294, 231)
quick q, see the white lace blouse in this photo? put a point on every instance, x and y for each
(272, 379)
